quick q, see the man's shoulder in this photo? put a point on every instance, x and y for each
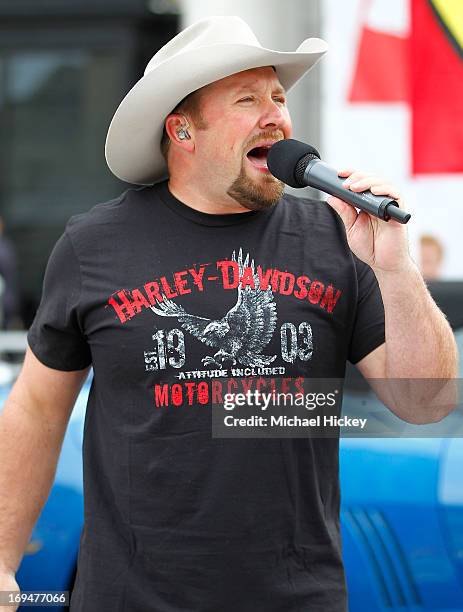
(105, 212)
(110, 218)
(107, 222)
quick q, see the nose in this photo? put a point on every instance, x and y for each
(274, 115)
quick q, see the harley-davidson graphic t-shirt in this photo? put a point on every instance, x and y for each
(163, 300)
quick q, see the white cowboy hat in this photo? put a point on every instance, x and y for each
(206, 51)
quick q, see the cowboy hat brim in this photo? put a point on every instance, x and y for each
(132, 147)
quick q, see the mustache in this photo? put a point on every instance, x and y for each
(266, 135)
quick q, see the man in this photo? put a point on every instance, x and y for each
(207, 275)
(431, 257)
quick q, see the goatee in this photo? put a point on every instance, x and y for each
(253, 195)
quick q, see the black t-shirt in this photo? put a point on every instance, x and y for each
(143, 288)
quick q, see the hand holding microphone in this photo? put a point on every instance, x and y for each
(298, 165)
(383, 246)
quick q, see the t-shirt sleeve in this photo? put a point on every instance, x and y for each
(368, 329)
(56, 336)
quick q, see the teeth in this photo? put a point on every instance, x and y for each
(265, 146)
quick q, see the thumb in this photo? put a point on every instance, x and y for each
(347, 212)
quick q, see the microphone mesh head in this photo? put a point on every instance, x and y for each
(284, 157)
(301, 166)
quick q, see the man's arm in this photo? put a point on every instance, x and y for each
(32, 428)
(419, 342)
(419, 345)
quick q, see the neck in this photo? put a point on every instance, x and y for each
(200, 198)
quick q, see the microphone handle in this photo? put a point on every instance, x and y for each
(323, 177)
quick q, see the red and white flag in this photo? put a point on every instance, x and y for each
(423, 68)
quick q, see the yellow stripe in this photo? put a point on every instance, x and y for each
(451, 13)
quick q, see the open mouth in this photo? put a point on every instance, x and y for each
(258, 157)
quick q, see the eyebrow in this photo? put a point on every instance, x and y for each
(278, 90)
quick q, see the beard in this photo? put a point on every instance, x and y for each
(253, 195)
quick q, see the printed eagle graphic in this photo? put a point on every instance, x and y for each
(243, 333)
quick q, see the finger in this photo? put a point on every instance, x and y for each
(346, 172)
(385, 189)
(347, 212)
(356, 177)
(366, 182)
(389, 191)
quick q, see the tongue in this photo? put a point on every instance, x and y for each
(258, 158)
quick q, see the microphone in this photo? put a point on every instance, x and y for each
(298, 165)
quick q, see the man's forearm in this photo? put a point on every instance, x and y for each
(29, 450)
(414, 321)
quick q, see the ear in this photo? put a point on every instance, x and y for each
(175, 122)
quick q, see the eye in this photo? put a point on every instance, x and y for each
(246, 99)
(280, 99)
